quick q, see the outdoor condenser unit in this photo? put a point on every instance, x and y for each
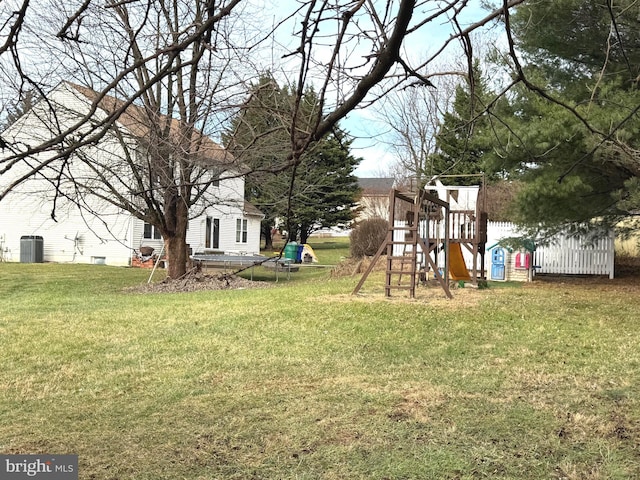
(31, 249)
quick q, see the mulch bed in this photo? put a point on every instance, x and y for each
(195, 280)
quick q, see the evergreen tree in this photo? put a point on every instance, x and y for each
(467, 136)
(582, 164)
(576, 163)
(325, 189)
(259, 138)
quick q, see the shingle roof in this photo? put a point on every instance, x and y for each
(251, 209)
(137, 122)
(375, 186)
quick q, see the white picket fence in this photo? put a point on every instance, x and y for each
(564, 255)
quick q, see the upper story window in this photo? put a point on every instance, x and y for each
(215, 178)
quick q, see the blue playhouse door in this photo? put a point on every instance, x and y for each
(497, 264)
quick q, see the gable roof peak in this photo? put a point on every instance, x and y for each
(150, 126)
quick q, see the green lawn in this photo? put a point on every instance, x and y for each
(303, 381)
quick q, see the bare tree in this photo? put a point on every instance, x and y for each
(159, 59)
(412, 117)
(175, 61)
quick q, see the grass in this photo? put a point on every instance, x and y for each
(303, 381)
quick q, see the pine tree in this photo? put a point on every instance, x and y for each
(19, 108)
(467, 137)
(577, 156)
(325, 189)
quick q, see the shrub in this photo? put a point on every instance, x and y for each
(367, 237)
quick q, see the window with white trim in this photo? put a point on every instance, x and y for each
(151, 232)
(241, 230)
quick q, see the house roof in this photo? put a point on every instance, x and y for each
(375, 186)
(251, 210)
(138, 122)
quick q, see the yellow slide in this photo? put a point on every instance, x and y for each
(457, 268)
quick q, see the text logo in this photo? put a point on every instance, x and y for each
(44, 467)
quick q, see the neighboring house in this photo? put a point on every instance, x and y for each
(372, 203)
(100, 232)
(374, 199)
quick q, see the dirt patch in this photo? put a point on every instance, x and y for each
(197, 281)
(431, 295)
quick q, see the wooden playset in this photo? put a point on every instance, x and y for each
(429, 231)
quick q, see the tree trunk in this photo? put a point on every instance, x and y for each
(176, 249)
(175, 239)
(267, 234)
(292, 233)
(305, 230)
(176, 217)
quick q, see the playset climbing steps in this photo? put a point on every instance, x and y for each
(422, 226)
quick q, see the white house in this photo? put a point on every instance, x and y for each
(374, 198)
(101, 232)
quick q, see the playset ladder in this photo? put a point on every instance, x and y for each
(396, 263)
(411, 238)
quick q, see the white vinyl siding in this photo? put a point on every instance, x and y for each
(74, 238)
(113, 235)
(228, 217)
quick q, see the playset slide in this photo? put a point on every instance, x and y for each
(457, 268)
